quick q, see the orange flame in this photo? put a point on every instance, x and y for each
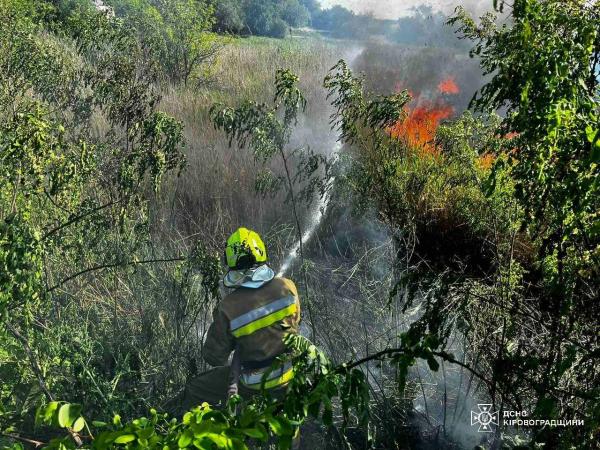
(449, 86)
(419, 127)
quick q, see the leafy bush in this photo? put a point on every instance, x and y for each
(294, 13)
(178, 32)
(229, 17)
(73, 203)
(311, 392)
(278, 28)
(545, 72)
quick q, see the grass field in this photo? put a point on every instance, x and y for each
(216, 193)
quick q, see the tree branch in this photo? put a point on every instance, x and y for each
(78, 218)
(36, 444)
(111, 265)
(393, 351)
(37, 370)
(33, 362)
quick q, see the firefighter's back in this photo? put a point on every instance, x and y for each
(259, 319)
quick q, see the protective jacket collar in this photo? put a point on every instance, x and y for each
(252, 278)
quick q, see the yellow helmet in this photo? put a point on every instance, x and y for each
(245, 249)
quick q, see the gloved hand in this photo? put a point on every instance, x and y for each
(232, 390)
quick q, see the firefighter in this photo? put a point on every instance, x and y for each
(253, 320)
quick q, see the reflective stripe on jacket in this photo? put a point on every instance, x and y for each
(263, 316)
(276, 377)
(257, 320)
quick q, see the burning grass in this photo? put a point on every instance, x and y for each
(440, 174)
(422, 120)
(418, 130)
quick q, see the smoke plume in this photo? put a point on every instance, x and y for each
(393, 9)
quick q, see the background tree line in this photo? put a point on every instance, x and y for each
(276, 18)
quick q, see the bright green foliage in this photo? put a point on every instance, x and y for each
(73, 198)
(20, 261)
(161, 137)
(311, 394)
(544, 70)
(201, 428)
(316, 383)
(178, 33)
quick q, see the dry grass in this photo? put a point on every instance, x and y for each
(216, 193)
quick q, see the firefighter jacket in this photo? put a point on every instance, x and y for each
(255, 322)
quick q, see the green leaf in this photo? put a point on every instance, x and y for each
(593, 135)
(185, 439)
(257, 433)
(432, 363)
(281, 426)
(248, 416)
(125, 438)
(67, 414)
(79, 424)
(145, 433)
(220, 440)
(45, 413)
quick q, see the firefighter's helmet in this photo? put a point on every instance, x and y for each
(245, 249)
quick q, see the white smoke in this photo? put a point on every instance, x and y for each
(100, 6)
(393, 9)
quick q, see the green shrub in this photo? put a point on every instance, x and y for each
(278, 28)
(294, 13)
(229, 17)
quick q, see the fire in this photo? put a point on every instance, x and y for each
(419, 127)
(448, 86)
(423, 118)
(421, 123)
